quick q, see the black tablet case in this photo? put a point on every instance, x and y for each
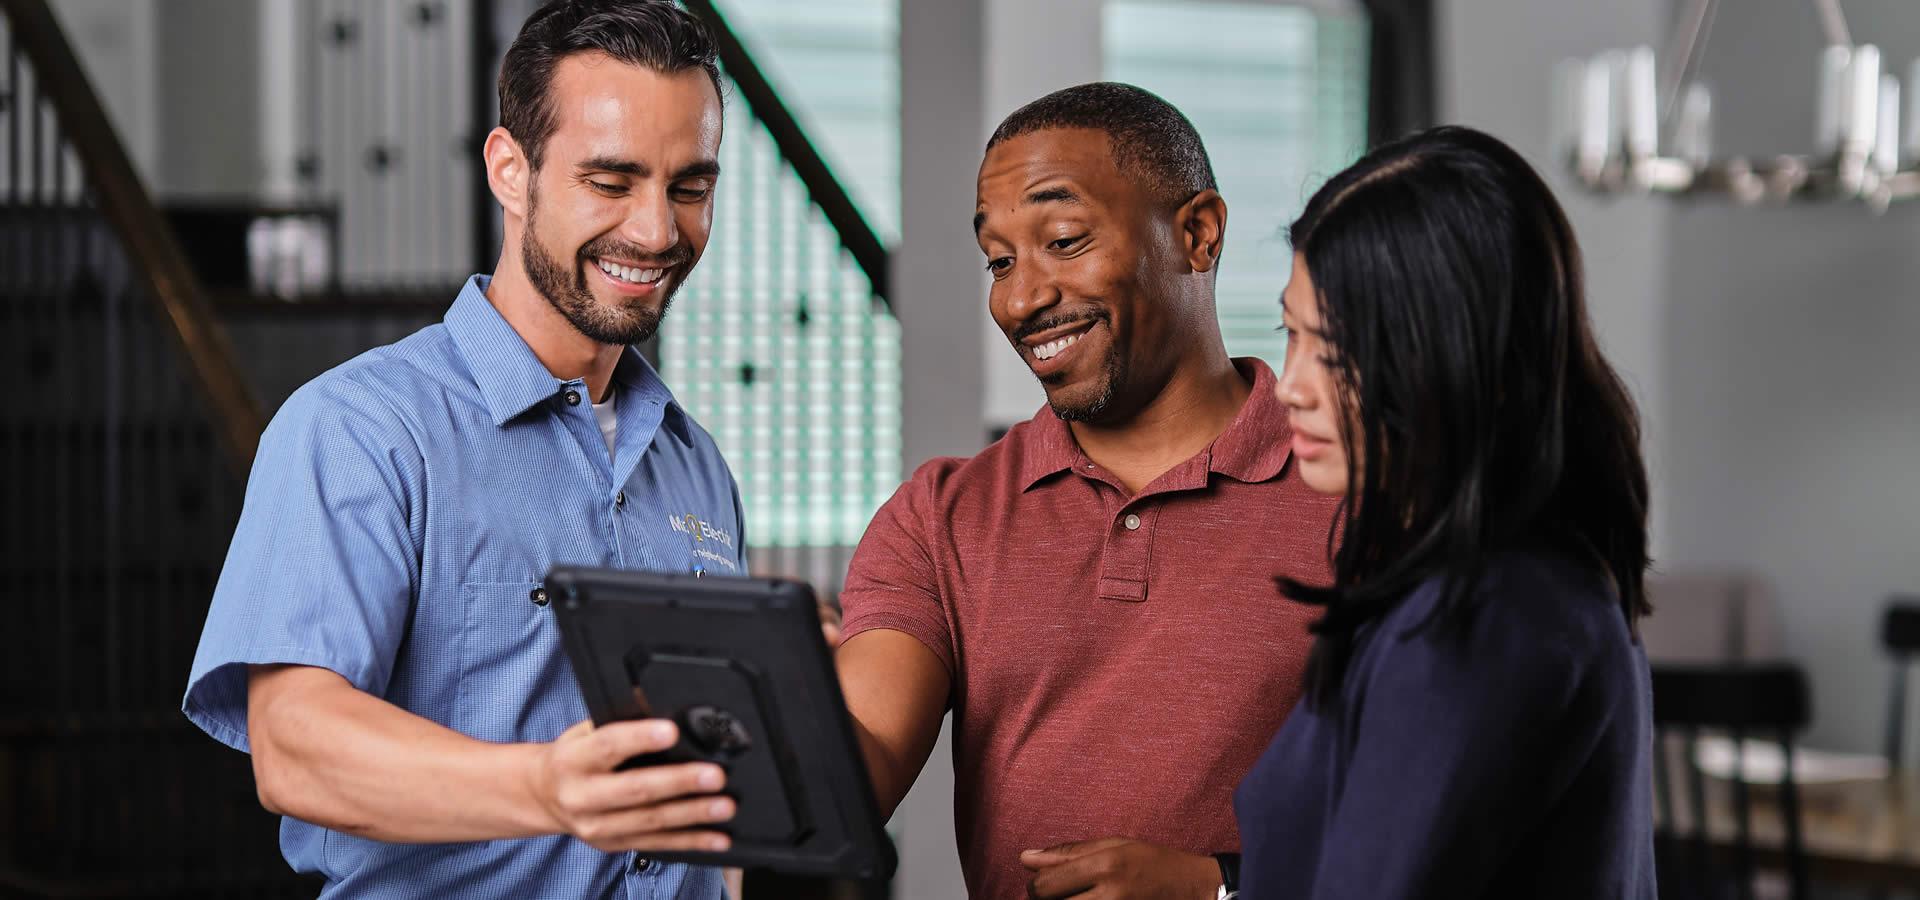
(741, 665)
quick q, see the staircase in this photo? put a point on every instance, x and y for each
(123, 433)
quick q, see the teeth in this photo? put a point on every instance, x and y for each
(1052, 348)
(629, 273)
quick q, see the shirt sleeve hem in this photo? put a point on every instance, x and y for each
(916, 627)
(226, 721)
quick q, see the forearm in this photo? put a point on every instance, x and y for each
(892, 776)
(327, 753)
(896, 692)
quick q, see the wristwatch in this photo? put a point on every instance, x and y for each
(1229, 875)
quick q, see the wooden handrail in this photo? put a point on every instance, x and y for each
(151, 248)
(861, 241)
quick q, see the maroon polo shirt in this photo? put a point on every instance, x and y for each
(1119, 661)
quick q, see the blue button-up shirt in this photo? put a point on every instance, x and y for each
(402, 510)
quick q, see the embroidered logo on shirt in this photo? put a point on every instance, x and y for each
(701, 530)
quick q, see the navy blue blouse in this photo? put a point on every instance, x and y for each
(1509, 759)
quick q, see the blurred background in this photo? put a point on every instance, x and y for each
(205, 203)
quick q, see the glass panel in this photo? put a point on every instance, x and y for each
(778, 346)
(836, 64)
(1279, 94)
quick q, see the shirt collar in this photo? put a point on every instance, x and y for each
(1254, 447)
(511, 379)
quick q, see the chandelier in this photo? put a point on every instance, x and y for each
(1623, 125)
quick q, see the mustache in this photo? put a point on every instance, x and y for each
(677, 255)
(1051, 322)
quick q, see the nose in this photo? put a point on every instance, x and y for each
(1291, 388)
(649, 224)
(1028, 291)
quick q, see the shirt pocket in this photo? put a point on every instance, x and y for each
(515, 681)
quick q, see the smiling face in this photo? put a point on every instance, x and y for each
(621, 206)
(1085, 268)
(1309, 387)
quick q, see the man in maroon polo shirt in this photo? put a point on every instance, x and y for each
(1093, 596)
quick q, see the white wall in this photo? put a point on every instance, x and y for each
(181, 83)
(938, 300)
(118, 45)
(1770, 349)
(209, 74)
(1794, 385)
(1496, 58)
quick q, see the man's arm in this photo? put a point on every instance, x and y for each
(896, 692)
(328, 753)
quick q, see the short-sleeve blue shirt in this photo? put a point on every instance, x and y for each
(401, 513)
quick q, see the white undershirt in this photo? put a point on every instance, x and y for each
(609, 422)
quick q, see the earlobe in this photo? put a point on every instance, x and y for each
(507, 171)
(1204, 227)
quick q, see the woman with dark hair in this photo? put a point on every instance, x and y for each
(1478, 719)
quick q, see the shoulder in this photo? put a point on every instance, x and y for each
(998, 470)
(1537, 614)
(365, 405)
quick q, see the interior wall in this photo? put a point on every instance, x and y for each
(1496, 59)
(117, 42)
(210, 76)
(1770, 349)
(1795, 434)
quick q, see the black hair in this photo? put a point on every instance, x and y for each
(1450, 286)
(1149, 138)
(656, 34)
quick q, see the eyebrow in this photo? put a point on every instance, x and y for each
(637, 169)
(1055, 195)
(1043, 195)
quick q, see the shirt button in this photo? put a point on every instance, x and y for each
(641, 864)
(538, 596)
(620, 499)
(573, 398)
(1132, 522)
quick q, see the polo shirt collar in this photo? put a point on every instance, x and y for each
(511, 378)
(1254, 447)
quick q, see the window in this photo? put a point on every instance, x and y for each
(837, 65)
(1279, 94)
(778, 345)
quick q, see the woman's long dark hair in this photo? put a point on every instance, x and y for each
(1451, 295)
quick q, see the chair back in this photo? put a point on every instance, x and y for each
(1765, 702)
(1900, 635)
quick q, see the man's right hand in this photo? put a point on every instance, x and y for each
(648, 809)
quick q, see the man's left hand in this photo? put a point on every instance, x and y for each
(1117, 868)
(830, 624)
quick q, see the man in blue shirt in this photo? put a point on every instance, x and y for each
(380, 641)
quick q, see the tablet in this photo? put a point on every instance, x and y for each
(740, 664)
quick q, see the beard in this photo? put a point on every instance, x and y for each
(1092, 404)
(605, 323)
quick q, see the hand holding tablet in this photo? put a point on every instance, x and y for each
(742, 668)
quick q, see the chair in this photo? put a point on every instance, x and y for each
(1712, 616)
(1769, 702)
(1900, 634)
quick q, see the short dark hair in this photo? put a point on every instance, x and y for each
(656, 34)
(1148, 137)
(1488, 420)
